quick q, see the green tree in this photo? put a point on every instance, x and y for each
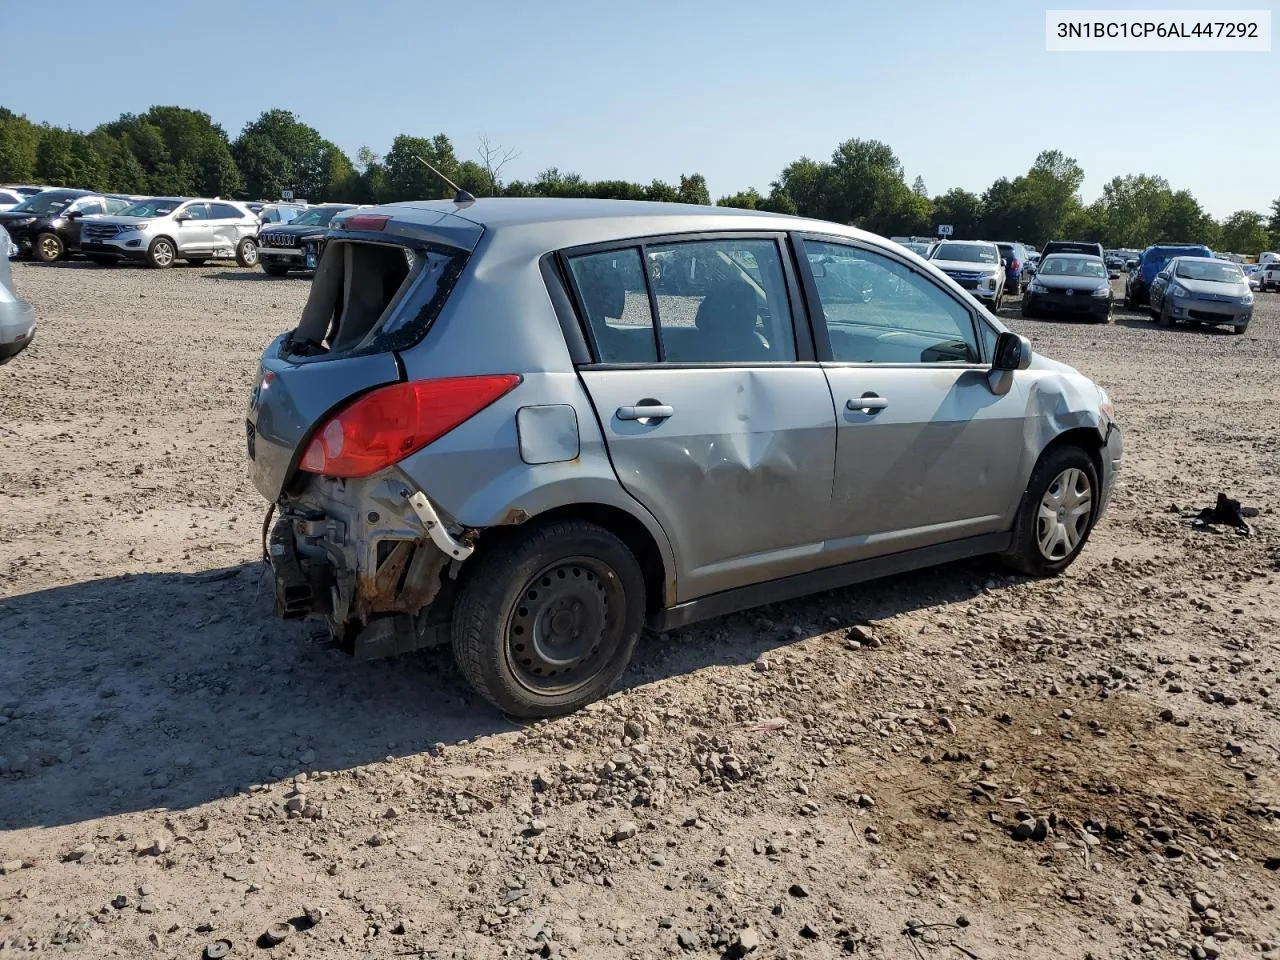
(918, 187)
(1133, 209)
(1273, 225)
(122, 171)
(409, 179)
(1245, 231)
(748, 199)
(66, 158)
(19, 140)
(1185, 221)
(962, 210)
(279, 152)
(199, 157)
(693, 189)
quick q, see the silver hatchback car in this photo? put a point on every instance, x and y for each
(533, 427)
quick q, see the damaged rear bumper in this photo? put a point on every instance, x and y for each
(371, 557)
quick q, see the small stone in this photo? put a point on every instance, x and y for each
(624, 831)
(537, 827)
(217, 949)
(79, 853)
(234, 846)
(120, 901)
(1173, 852)
(1137, 898)
(962, 921)
(392, 813)
(798, 890)
(988, 765)
(686, 939)
(748, 940)
(313, 913)
(276, 933)
(10, 866)
(1041, 830)
(810, 932)
(1024, 830)
(1200, 902)
(155, 940)
(146, 905)
(1272, 863)
(633, 729)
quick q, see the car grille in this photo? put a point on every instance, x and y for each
(101, 231)
(1215, 298)
(1211, 316)
(277, 240)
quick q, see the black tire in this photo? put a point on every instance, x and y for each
(1237, 330)
(1026, 307)
(1164, 318)
(247, 252)
(197, 261)
(1025, 553)
(100, 260)
(512, 597)
(162, 253)
(275, 269)
(1015, 288)
(48, 247)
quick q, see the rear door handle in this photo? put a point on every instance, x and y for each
(646, 411)
(866, 404)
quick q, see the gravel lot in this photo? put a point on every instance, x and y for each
(178, 768)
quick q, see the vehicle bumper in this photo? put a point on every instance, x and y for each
(1112, 458)
(1200, 311)
(1095, 307)
(130, 247)
(368, 556)
(293, 256)
(17, 328)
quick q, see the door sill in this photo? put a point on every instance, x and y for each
(828, 578)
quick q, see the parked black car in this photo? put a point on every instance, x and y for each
(1072, 246)
(296, 245)
(47, 225)
(1074, 283)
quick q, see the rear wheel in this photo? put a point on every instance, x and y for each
(161, 253)
(247, 253)
(1057, 513)
(48, 248)
(548, 622)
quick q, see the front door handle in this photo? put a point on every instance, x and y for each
(646, 411)
(867, 403)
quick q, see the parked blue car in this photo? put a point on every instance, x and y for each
(1137, 287)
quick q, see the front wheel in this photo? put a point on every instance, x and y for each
(548, 621)
(161, 253)
(48, 248)
(247, 253)
(1057, 513)
(1164, 317)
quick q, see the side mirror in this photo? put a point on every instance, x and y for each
(1012, 352)
(1004, 262)
(181, 218)
(74, 214)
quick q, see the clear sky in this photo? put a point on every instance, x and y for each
(735, 89)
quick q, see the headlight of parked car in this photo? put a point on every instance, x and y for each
(24, 221)
(1104, 403)
(1037, 287)
(1179, 291)
(1102, 291)
(1247, 299)
(140, 226)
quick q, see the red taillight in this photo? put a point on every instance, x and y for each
(385, 426)
(365, 221)
(1014, 264)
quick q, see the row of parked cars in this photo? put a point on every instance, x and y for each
(50, 224)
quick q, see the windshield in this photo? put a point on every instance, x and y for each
(44, 203)
(920, 248)
(154, 207)
(315, 217)
(1215, 270)
(1056, 266)
(969, 252)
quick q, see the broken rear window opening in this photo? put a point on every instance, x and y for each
(373, 297)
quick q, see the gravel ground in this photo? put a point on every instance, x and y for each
(955, 763)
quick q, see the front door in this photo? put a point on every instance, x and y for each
(926, 452)
(195, 233)
(711, 420)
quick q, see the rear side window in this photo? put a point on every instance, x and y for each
(373, 297)
(718, 301)
(223, 211)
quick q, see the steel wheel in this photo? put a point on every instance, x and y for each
(1064, 514)
(247, 253)
(564, 624)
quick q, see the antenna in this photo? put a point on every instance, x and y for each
(461, 196)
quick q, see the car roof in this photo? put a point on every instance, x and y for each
(557, 223)
(1075, 255)
(69, 192)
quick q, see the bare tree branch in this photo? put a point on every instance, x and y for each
(493, 157)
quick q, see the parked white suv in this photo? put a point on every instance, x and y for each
(161, 230)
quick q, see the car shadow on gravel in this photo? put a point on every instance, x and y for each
(167, 690)
(254, 274)
(1147, 323)
(170, 690)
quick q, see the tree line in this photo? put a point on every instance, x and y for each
(178, 151)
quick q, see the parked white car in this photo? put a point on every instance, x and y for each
(160, 230)
(975, 265)
(9, 199)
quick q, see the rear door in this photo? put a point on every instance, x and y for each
(925, 452)
(717, 418)
(224, 220)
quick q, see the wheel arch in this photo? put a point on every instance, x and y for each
(1087, 439)
(659, 586)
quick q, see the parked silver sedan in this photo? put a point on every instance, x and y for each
(1202, 290)
(17, 317)
(532, 427)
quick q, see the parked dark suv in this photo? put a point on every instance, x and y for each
(47, 225)
(1073, 246)
(1015, 259)
(296, 245)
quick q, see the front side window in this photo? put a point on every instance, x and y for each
(722, 301)
(86, 206)
(878, 310)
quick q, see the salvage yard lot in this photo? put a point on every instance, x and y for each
(156, 722)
